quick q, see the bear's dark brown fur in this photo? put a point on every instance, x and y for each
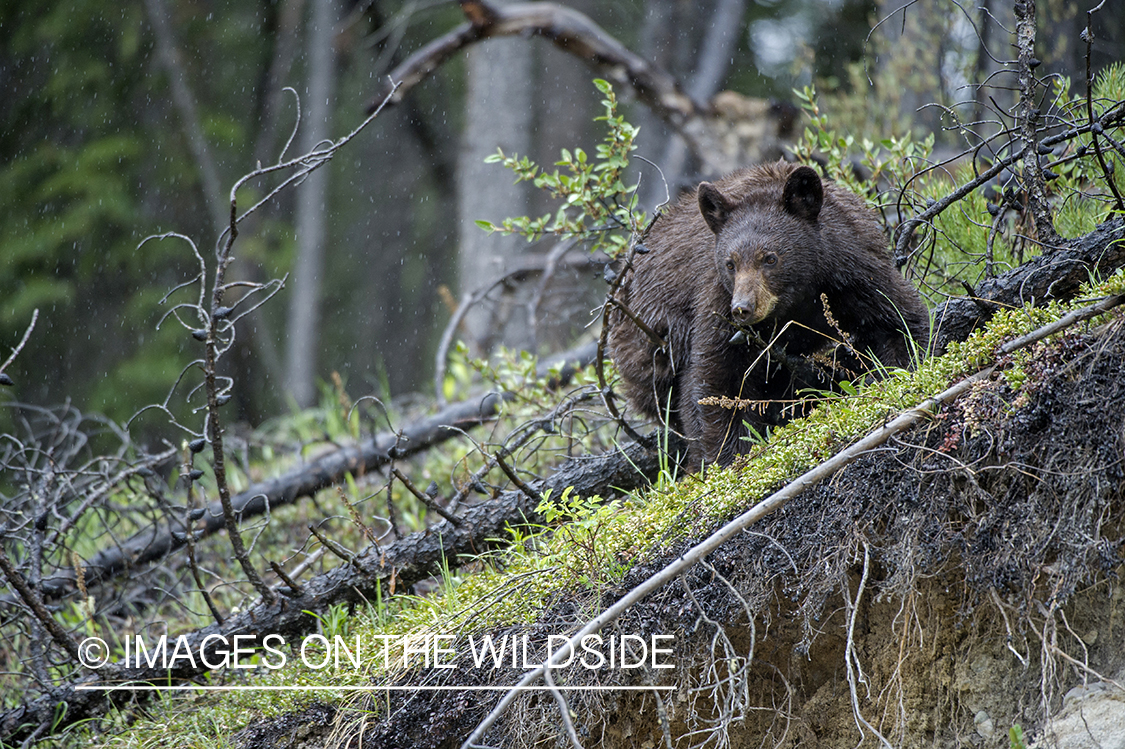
(757, 250)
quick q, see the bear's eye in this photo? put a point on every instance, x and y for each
(730, 265)
(769, 259)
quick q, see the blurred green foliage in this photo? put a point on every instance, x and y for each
(93, 161)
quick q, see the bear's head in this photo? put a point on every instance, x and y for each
(766, 246)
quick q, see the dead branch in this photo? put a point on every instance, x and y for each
(423, 497)
(35, 604)
(155, 543)
(5, 379)
(564, 710)
(567, 29)
(1029, 116)
(1088, 37)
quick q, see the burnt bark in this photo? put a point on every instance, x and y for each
(1052, 276)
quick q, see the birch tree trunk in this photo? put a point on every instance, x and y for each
(304, 300)
(498, 113)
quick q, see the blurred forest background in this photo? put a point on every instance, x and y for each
(127, 119)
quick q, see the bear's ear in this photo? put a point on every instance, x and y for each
(803, 194)
(714, 206)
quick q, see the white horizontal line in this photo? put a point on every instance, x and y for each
(420, 688)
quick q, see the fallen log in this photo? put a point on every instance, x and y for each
(1048, 277)
(154, 543)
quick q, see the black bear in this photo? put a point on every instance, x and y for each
(768, 255)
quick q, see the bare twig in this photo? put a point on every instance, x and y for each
(514, 442)
(218, 332)
(424, 498)
(197, 576)
(603, 339)
(442, 355)
(520, 483)
(33, 602)
(564, 710)
(471, 298)
(23, 342)
(905, 231)
(280, 572)
(332, 546)
(307, 562)
(653, 336)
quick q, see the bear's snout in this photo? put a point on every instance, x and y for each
(751, 303)
(742, 311)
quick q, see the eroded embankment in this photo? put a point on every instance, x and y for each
(957, 581)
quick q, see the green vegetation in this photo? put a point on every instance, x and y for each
(70, 246)
(596, 204)
(588, 545)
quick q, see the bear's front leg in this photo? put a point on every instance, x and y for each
(717, 373)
